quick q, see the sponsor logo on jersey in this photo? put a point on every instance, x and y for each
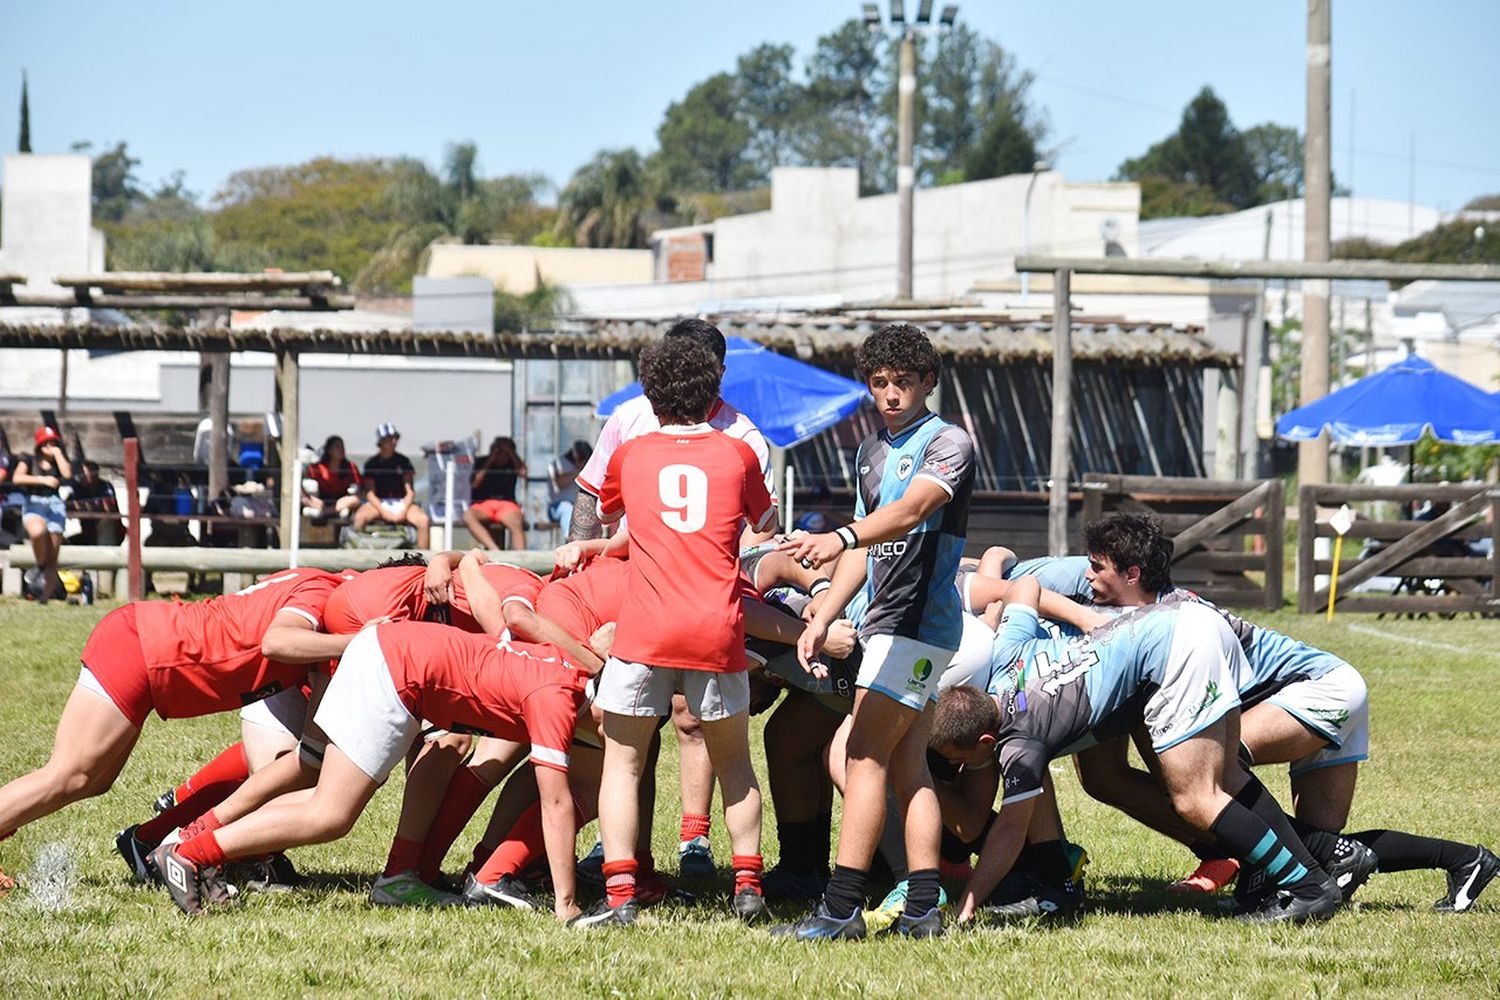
(1337, 716)
(888, 550)
(1210, 695)
(920, 672)
(261, 693)
(903, 467)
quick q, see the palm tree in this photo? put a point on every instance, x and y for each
(609, 201)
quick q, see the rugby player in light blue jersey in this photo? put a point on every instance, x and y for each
(1171, 668)
(916, 476)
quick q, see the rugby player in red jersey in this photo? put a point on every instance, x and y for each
(179, 660)
(392, 676)
(687, 490)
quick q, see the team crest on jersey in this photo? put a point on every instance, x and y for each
(864, 470)
(903, 467)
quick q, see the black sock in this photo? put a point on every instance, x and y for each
(1253, 829)
(1207, 852)
(1401, 852)
(952, 849)
(921, 891)
(845, 892)
(799, 846)
(1052, 862)
(819, 848)
(1322, 845)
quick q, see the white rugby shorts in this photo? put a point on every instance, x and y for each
(361, 712)
(1198, 686)
(1336, 706)
(903, 669)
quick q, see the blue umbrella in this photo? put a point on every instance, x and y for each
(1395, 406)
(789, 400)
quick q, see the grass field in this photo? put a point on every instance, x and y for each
(1436, 754)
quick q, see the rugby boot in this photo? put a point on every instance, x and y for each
(1468, 881)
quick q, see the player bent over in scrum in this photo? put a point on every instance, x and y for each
(1173, 669)
(392, 676)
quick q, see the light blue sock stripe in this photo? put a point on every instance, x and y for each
(1295, 875)
(1282, 859)
(1263, 848)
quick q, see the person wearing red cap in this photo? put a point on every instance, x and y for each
(43, 515)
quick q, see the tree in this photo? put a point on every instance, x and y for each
(1276, 151)
(976, 121)
(114, 182)
(24, 144)
(607, 201)
(704, 142)
(848, 77)
(772, 104)
(1206, 152)
(1484, 203)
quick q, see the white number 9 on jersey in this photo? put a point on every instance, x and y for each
(684, 490)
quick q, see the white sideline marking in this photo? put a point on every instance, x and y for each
(1450, 647)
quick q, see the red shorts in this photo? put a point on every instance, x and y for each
(113, 655)
(494, 510)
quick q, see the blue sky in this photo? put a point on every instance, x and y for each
(210, 87)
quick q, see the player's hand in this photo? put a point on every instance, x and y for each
(813, 550)
(437, 582)
(809, 643)
(967, 909)
(603, 640)
(570, 556)
(810, 609)
(841, 639)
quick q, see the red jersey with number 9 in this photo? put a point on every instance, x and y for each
(686, 491)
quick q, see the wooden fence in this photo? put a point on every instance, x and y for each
(1228, 534)
(1438, 567)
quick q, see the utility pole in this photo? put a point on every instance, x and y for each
(1312, 456)
(905, 170)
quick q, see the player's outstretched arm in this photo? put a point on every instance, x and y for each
(559, 833)
(1060, 609)
(922, 498)
(999, 853)
(528, 626)
(484, 602)
(293, 639)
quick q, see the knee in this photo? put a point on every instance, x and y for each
(73, 782)
(1198, 809)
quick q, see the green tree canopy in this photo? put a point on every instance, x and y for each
(1205, 162)
(704, 139)
(608, 200)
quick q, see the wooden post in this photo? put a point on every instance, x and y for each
(291, 432)
(134, 588)
(1275, 518)
(1307, 533)
(1062, 413)
(218, 415)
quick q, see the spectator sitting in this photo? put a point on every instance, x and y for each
(562, 474)
(336, 480)
(43, 515)
(493, 496)
(92, 492)
(8, 495)
(389, 496)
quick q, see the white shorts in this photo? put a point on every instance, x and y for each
(1336, 706)
(361, 712)
(1197, 688)
(89, 682)
(971, 665)
(902, 669)
(627, 688)
(284, 712)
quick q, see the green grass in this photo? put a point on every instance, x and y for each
(1436, 753)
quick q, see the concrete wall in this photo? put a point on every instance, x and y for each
(46, 227)
(821, 240)
(515, 268)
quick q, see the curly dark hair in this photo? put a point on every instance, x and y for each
(703, 332)
(681, 379)
(899, 347)
(963, 715)
(405, 559)
(1133, 540)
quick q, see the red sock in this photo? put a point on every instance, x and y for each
(230, 765)
(465, 792)
(521, 848)
(203, 851)
(693, 825)
(207, 823)
(154, 830)
(619, 881)
(404, 856)
(747, 868)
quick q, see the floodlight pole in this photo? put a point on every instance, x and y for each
(1312, 456)
(905, 169)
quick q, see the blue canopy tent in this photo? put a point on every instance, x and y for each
(1395, 406)
(789, 400)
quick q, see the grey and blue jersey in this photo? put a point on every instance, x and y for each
(1060, 696)
(1065, 575)
(1274, 660)
(910, 590)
